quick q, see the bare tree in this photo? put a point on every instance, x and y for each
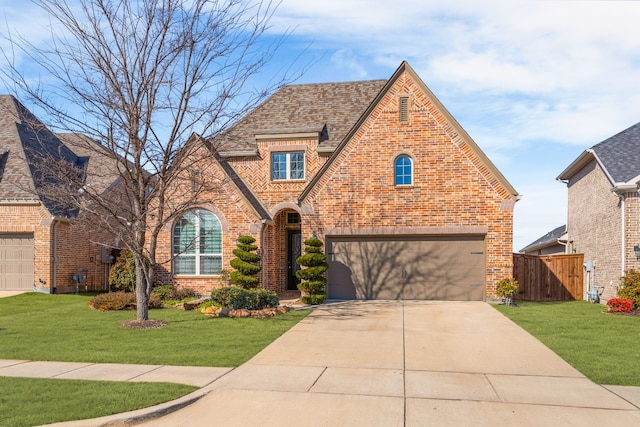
(142, 77)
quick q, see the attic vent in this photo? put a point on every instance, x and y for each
(196, 181)
(404, 108)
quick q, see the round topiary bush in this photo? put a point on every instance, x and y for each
(312, 276)
(246, 265)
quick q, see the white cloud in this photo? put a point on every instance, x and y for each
(533, 82)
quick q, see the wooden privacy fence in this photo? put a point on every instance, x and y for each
(549, 277)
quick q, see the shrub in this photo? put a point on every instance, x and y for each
(120, 301)
(236, 298)
(620, 305)
(246, 264)
(164, 292)
(170, 292)
(313, 299)
(630, 287)
(313, 280)
(506, 289)
(123, 272)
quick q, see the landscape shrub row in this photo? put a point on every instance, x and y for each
(236, 298)
(120, 301)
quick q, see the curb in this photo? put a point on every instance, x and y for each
(139, 415)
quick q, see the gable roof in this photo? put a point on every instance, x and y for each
(101, 166)
(618, 156)
(328, 109)
(26, 142)
(549, 239)
(240, 186)
(406, 68)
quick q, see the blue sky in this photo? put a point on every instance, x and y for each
(533, 82)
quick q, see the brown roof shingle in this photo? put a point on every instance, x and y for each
(330, 108)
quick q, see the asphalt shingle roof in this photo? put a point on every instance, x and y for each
(620, 154)
(550, 237)
(330, 108)
(27, 149)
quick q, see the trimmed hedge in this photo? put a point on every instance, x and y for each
(170, 292)
(236, 298)
(313, 280)
(246, 263)
(120, 301)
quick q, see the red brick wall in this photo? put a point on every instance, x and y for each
(75, 248)
(451, 188)
(220, 197)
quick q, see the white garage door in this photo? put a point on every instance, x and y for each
(415, 267)
(16, 262)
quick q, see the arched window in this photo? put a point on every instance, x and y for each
(197, 244)
(403, 170)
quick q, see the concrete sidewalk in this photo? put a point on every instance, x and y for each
(198, 376)
(402, 364)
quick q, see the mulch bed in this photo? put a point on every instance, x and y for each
(143, 324)
(635, 313)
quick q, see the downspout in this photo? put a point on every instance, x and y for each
(54, 256)
(623, 238)
(263, 225)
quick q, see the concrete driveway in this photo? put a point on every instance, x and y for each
(406, 364)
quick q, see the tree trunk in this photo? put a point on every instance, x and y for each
(142, 297)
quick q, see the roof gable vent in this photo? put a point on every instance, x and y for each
(404, 108)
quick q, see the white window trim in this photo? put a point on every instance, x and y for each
(197, 255)
(288, 166)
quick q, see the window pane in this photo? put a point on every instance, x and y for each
(184, 235)
(403, 171)
(184, 264)
(297, 165)
(210, 264)
(210, 233)
(278, 166)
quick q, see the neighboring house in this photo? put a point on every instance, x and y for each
(406, 203)
(40, 245)
(603, 220)
(552, 243)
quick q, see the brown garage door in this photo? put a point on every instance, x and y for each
(16, 262)
(421, 268)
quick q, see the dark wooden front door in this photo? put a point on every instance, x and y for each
(294, 250)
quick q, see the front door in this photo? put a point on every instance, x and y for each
(294, 250)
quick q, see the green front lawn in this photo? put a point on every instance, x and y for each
(37, 401)
(35, 326)
(604, 347)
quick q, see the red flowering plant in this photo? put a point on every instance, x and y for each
(620, 305)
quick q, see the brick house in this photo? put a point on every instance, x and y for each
(41, 245)
(603, 217)
(408, 206)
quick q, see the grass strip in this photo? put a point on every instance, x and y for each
(37, 401)
(35, 326)
(603, 346)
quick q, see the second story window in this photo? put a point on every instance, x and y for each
(287, 166)
(403, 170)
